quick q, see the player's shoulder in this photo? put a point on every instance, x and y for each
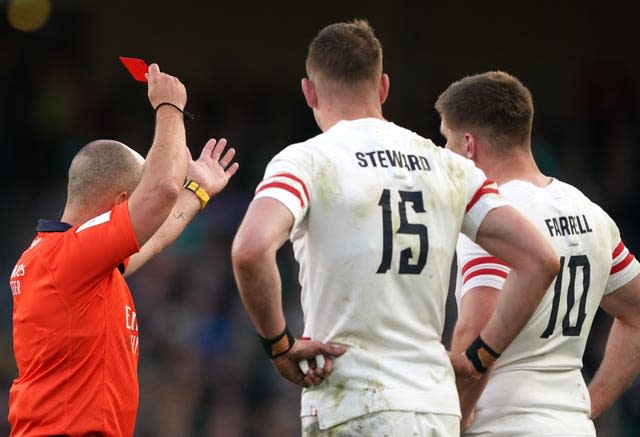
(570, 192)
(521, 192)
(458, 159)
(300, 147)
(348, 135)
(301, 158)
(298, 153)
(448, 162)
(374, 131)
(458, 170)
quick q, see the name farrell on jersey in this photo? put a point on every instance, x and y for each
(569, 225)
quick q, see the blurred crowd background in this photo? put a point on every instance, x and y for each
(202, 372)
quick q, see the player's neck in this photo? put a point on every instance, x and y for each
(345, 110)
(520, 166)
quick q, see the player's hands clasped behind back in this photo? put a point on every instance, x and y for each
(288, 366)
(164, 88)
(213, 169)
(470, 384)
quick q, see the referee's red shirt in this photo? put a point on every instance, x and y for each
(75, 331)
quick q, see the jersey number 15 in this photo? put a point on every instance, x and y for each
(417, 229)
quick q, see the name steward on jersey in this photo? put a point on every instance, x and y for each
(392, 158)
(569, 225)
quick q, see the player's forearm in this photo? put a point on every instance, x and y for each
(520, 296)
(264, 229)
(510, 237)
(184, 210)
(258, 281)
(476, 308)
(619, 367)
(463, 336)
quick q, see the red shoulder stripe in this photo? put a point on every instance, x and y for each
(493, 272)
(484, 189)
(283, 186)
(482, 260)
(293, 178)
(618, 250)
(622, 264)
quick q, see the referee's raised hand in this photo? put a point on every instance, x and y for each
(164, 88)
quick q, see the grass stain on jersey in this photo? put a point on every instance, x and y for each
(374, 389)
(338, 389)
(325, 178)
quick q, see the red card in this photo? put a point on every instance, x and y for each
(137, 68)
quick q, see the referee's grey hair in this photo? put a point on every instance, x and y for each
(101, 169)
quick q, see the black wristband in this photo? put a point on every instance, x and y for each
(481, 355)
(184, 113)
(278, 345)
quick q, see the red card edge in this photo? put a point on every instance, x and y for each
(132, 62)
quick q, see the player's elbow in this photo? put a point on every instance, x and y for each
(551, 263)
(247, 251)
(538, 264)
(545, 263)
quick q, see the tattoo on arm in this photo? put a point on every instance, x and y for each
(179, 215)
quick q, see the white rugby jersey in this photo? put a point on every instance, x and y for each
(594, 261)
(377, 212)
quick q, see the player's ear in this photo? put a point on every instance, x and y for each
(471, 150)
(384, 87)
(309, 91)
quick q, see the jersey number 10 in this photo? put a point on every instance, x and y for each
(573, 264)
(419, 230)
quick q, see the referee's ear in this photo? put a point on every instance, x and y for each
(309, 91)
(120, 197)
